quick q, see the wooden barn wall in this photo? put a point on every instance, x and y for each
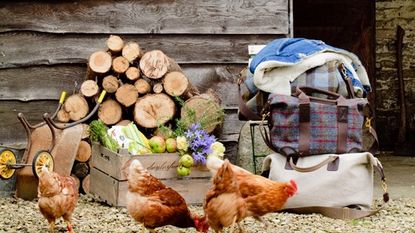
(44, 47)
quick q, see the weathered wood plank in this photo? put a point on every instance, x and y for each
(46, 82)
(166, 16)
(162, 166)
(32, 48)
(11, 130)
(40, 82)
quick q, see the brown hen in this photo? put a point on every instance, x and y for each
(224, 204)
(261, 195)
(58, 196)
(153, 204)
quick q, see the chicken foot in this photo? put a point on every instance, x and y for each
(241, 230)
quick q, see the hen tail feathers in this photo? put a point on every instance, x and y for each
(136, 167)
(213, 163)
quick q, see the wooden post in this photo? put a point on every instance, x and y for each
(115, 44)
(155, 64)
(126, 95)
(131, 51)
(100, 62)
(110, 84)
(153, 110)
(84, 152)
(110, 112)
(76, 106)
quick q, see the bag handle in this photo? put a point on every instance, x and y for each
(304, 117)
(328, 160)
(304, 93)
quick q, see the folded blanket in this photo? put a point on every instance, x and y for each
(283, 60)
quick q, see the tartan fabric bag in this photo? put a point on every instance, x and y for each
(302, 125)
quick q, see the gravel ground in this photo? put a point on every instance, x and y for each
(91, 215)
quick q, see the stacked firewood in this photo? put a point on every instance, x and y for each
(81, 167)
(148, 88)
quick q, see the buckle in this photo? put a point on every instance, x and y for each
(368, 122)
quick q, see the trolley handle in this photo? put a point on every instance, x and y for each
(26, 123)
(49, 120)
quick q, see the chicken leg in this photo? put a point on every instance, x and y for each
(52, 226)
(260, 219)
(232, 225)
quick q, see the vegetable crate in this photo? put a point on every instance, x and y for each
(109, 181)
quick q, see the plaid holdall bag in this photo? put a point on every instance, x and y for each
(302, 125)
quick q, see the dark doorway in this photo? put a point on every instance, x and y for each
(347, 24)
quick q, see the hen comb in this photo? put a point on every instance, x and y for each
(294, 185)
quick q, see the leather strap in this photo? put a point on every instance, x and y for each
(342, 113)
(344, 213)
(304, 127)
(347, 80)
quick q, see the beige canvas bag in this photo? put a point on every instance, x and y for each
(335, 185)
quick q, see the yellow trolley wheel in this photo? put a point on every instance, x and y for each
(42, 158)
(7, 157)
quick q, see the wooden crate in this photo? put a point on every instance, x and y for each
(109, 182)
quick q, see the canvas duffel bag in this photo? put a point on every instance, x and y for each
(335, 185)
(303, 125)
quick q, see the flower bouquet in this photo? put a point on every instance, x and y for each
(194, 146)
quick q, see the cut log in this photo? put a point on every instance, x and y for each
(131, 51)
(89, 88)
(177, 84)
(77, 181)
(85, 131)
(85, 183)
(132, 73)
(84, 152)
(115, 44)
(126, 95)
(124, 122)
(63, 116)
(110, 84)
(155, 64)
(110, 112)
(142, 86)
(100, 62)
(80, 170)
(204, 109)
(76, 106)
(120, 64)
(153, 110)
(158, 88)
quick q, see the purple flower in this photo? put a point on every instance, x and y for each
(199, 158)
(199, 143)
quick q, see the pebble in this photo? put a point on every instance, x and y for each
(93, 216)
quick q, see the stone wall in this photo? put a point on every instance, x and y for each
(390, 14)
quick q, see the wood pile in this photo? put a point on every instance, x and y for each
(146, 87)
